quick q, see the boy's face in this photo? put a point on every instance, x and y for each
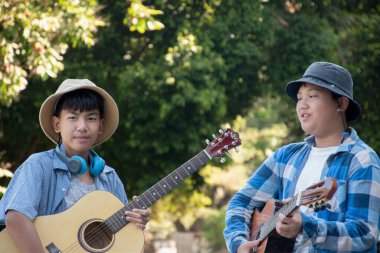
(79, 130)
(317, 111)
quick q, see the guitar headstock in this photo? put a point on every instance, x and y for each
(316, 195)
(226, 141)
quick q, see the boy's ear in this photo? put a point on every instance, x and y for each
(55, 122)
(101, 127)
(343, 103)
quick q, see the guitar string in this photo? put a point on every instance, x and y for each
(93, 234)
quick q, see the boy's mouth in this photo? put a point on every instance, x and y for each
(304, 115)
(82, 137)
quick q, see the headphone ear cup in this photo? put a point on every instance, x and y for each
(97, 165)
(77, 165)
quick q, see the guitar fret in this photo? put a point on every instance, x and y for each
(140, 202)
(154, 194)
(136, 204)
(149, 203)
(169, 182)
(116, 221)
(187, 170)
(162, 187)
(180, 179)
(175, 183)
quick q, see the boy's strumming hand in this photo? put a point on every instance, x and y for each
(289, 226)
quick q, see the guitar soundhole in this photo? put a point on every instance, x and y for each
(95, 236)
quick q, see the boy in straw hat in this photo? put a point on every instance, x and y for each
(79, 116)
(325, 106)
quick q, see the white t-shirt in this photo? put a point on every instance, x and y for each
(310, 175)
(312, 171)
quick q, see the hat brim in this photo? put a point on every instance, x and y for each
(111, 114)
(354, 110)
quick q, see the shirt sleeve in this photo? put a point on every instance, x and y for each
(263, 185)
(25, 190)
(358, 231)
(118, 188)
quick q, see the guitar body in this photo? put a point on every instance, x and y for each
(274, 243)
(258, 219)
(62, 231)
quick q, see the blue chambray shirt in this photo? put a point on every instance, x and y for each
(352, 223)
(39, 185)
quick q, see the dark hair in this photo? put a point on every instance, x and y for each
(82, 100)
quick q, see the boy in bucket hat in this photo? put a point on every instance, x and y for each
(79, 116)
(325, 106)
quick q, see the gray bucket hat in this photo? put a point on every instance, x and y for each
(332, 77)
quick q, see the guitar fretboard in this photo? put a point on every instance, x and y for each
(158, 190)
(270, 225)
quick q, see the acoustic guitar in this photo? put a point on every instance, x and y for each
(264, 222)
(96, 223)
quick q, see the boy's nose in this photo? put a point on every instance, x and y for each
(81, 125)
(303, 103)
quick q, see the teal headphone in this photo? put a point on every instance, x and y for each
(77, 165)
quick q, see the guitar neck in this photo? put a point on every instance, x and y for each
(270, 225)
(158, 190)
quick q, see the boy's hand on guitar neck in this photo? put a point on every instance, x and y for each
(139, 216)
(289, 226)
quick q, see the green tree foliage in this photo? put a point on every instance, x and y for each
(5, 175)
(34, 37)
(141, 18)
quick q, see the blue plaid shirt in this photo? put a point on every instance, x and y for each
(350, 225)
(39, 186)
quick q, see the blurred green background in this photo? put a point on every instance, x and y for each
(180, 70)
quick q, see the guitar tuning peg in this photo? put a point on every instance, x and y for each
(222, 160)
(213, 135)
(221, 131)
(228, 154)
(207, 141)
(237, 150)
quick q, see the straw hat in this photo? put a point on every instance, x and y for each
(332, 77)
(111, 112)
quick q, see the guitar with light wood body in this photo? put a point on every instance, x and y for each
(96, 223)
